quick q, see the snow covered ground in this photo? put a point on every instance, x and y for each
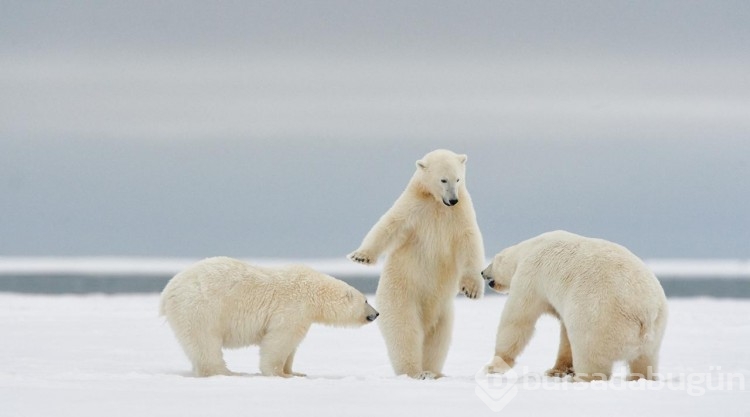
(112, 355)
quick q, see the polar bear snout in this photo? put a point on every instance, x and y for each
(492, 281)
(372, 314)
(498, 287)
(450, 196)
(487, 273)
(450, 202)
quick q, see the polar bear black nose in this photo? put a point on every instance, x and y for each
(372, 317)
(452, 201)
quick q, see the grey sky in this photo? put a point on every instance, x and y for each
(285, 129)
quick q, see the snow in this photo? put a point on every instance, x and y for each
(112, 355)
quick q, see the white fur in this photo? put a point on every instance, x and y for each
(226, 303)
(610, 305)
(434, 250)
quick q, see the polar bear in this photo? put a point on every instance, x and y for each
(610, 305)
(434, 250)
(226, 303)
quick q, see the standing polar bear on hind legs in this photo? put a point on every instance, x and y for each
(610, 305)
(434, 250)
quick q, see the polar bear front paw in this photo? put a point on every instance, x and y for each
(472, 288)
(361, 257)
(499, 366)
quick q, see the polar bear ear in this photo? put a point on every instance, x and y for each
(421, 164)
(462, 158)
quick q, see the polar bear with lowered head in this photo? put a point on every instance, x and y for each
(434, 250)
(226, 303)
(610, 305)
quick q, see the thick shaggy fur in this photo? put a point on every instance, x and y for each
(610, 305)
(435, 250)
(226, 303)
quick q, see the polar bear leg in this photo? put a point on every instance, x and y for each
(404, 338)
(514, 332)
(288, 365)
(646, 365)
(206, 356)
(564, 364)
(643, 366)
(276, 349)
(589, 366)
(437, 342)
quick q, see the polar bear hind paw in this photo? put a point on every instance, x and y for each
(292, 375)
(560, 373)
(425, 375)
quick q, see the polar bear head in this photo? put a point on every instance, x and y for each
(343, 305)
(499, 273)
(441, 174)
(356, 310)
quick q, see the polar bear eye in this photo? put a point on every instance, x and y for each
(458, 179)
(444, 181)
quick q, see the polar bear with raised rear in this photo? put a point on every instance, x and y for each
(434, 250)
(610, 305)
(226, 303)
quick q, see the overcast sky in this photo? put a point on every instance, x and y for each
(285, 129)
